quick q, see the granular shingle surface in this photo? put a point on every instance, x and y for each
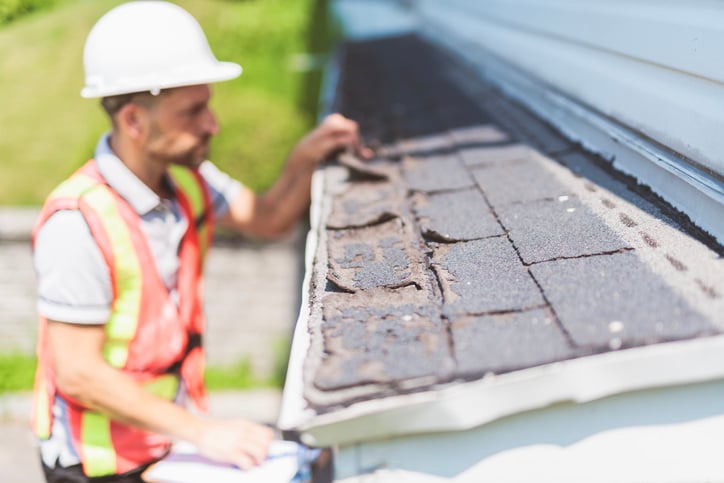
(610, 301)
(518, 181)
(483, 276)
(436, 173)
(545, 230)
(504, 342)
(481, 241)
(455, 216)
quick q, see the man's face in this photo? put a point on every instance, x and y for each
(181, 125)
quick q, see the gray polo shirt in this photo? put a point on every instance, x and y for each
(74, 284)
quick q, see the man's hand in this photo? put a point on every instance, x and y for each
(274, 213)
(240, 442)
(335, 133)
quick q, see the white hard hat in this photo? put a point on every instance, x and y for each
(148, 46)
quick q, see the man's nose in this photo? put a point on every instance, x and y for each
(210, 125)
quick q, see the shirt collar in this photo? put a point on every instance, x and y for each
(141, 198)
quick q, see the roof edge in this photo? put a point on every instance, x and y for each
(464, 406)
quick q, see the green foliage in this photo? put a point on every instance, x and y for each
(13, 9)
(49, 131)
(241, 375)
(238, 376)
(16, 372)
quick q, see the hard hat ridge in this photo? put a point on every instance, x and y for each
(148, 46)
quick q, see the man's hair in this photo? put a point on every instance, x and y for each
(113, 104)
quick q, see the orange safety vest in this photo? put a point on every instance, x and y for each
(148, 336)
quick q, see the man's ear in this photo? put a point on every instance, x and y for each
(131, 119)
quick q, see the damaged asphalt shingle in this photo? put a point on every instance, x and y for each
(382, 255)
(460, 250)
(382, 339)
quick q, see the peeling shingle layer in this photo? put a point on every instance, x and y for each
(383, 255)
(382, 339)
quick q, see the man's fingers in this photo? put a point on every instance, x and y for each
(244, 461)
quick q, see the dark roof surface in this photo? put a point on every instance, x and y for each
(482, 241)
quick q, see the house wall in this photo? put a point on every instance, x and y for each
(665, 435)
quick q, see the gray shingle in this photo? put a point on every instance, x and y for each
(393, 339)
(436, 173)
(505, 342)
(483, 276)
(610, 301)
(477, 156)
(455, 216)
(364, 204)
(544, 230)
(382, 255)
(517, 182)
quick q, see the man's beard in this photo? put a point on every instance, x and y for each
(191, 158)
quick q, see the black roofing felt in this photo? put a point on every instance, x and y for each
(457, 252)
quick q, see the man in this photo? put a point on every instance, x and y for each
(119, 250)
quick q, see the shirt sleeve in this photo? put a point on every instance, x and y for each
(74, 284)
(223, 188)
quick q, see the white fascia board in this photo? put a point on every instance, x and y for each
(462, 406)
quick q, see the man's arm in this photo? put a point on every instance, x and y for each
(274, 213)
(82, 374)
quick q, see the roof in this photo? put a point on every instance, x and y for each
(482, 257)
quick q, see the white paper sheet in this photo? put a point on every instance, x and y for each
(185, 465)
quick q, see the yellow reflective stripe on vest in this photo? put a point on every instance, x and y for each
(189, 184)
(122, 325)
(99, 458)
(73, 187)
(41, 399)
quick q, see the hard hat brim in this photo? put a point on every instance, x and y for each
(207, 74)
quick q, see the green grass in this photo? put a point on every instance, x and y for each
(49, 131)
(16, 372)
